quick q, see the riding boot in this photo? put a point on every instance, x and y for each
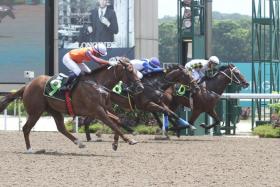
(68, 84)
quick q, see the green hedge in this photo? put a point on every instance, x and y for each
(267, 131)
(140, 129)
(143, 129)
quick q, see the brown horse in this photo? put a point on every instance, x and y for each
(206, 100)
(151, 99)
(88, 99)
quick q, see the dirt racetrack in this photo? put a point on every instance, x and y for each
(190, 161)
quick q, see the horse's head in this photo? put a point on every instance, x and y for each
(181, 75)
(129, 76)
(235, 75)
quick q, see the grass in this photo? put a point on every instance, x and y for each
(140, 129)
(143, 129)
(267, 131)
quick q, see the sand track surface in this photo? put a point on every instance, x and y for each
(188, 161)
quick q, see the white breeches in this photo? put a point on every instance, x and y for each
(73, 66)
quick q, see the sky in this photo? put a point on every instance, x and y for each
(169, 7)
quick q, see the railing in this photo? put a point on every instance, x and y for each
(250, 96)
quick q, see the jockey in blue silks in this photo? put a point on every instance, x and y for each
(146, 66)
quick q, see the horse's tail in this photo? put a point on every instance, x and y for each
(6, 100)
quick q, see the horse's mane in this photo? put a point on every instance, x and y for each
(172, 67)
(100, 68)
(222, 68)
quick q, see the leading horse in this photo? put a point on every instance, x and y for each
(206, 100)
(88, 99)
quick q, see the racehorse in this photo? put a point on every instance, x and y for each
(88, 99)
(6, 12)
(207, 98)
(151, 98)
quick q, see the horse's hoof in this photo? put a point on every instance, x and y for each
(82, 146)
(192, 127)
(178, 134)
(133, 142)
(29, 151)
(114, 146)
(203, 125)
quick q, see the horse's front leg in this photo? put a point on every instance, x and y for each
(103, 116)
(86, 122)
(116, 120)
(217, 120)
(182, 123)
(153, 107)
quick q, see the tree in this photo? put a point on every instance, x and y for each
(232, 40)
(168, 43)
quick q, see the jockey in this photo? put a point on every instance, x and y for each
(200, 66)
(146, 66)
(74, 60)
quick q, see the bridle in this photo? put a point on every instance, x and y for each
(130, 83)
(232, 77)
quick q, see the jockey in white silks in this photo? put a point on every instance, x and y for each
(200, 66)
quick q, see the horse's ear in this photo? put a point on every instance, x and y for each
(231, 65)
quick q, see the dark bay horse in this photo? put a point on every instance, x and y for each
(88, 99)
(151, 99)
(6, 11)
(206, 100)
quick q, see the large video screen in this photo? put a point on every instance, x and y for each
(22, 39)
(83, 23)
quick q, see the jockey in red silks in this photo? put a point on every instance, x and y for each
(74, 60)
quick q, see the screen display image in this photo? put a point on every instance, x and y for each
(83, 23)
(22, 39)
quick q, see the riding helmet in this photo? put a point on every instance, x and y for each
(214, 59)
(100, 48)
(154, 61)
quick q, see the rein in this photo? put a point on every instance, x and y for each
(108, 90)
(129, 101)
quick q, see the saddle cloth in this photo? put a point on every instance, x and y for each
(53, 85)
